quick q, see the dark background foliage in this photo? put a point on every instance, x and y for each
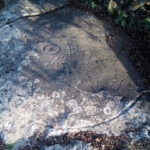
(132, 14)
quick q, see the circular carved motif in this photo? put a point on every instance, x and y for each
(51, 49)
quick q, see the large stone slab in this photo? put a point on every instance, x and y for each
(58, 75)
(18, 8)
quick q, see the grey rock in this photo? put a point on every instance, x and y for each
(77, 145)
(18, 8)
(58, 75)
(73, 145)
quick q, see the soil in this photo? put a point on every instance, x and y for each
(98, 141)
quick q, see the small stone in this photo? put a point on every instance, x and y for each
(97, 140)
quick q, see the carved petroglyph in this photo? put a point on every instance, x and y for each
(51, 49)
(72, 46)
(48, 48)
(107, 110)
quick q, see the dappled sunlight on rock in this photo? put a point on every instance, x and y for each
(58, 75)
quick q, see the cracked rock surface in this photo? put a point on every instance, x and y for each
(58, 75)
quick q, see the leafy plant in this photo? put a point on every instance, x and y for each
(9, 146)
(127, 13)
(132, 24)
(147, 23)
(91, 3)
(121, 17)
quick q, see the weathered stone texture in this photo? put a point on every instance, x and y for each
(59, 75)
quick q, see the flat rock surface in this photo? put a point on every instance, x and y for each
(58, 75)
(18, 8)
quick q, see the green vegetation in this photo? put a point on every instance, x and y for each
(91, 3)
(9, 146)
(131, 14)
(6, 147)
